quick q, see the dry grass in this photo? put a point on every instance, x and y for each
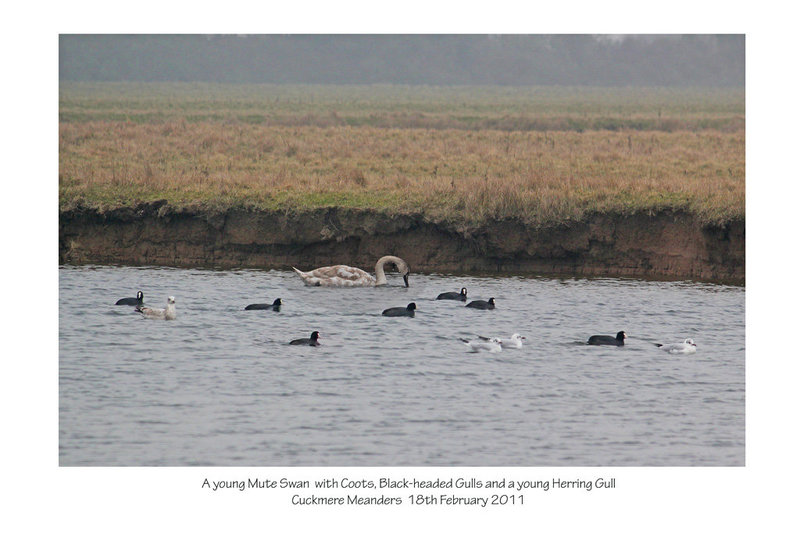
(458, 174)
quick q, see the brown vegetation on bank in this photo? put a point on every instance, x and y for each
(539, 177)
(585, 181)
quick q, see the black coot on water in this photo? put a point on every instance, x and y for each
(132, 301)
(313, 340)
(275, 306)
(482, 304)
(619, 340)
(452, 295)
(408, 311)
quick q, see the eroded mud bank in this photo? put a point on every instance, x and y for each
(666, 244)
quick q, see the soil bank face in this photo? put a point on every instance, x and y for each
(666, 244)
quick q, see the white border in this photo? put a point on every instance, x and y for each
(40, 494)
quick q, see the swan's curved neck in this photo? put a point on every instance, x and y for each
(380, 275)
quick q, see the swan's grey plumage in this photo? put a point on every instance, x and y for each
(687, 347)
(514, 342)
(167, 313)
(346, 276)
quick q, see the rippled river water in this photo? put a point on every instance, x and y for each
(221, 386)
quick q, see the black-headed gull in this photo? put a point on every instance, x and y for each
(514, 342)
(687, 347)
(492, 345)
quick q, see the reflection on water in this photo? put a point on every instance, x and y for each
(221, 386)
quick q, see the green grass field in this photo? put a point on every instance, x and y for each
(543, 155)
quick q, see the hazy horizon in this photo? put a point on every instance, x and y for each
(506, 60)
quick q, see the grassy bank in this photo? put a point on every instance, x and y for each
(464, 154)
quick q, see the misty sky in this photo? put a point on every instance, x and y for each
(604, 60)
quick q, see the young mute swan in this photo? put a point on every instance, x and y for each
(346, 276)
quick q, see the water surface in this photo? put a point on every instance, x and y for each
(221, 386)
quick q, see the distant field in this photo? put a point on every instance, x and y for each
(463, 154)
